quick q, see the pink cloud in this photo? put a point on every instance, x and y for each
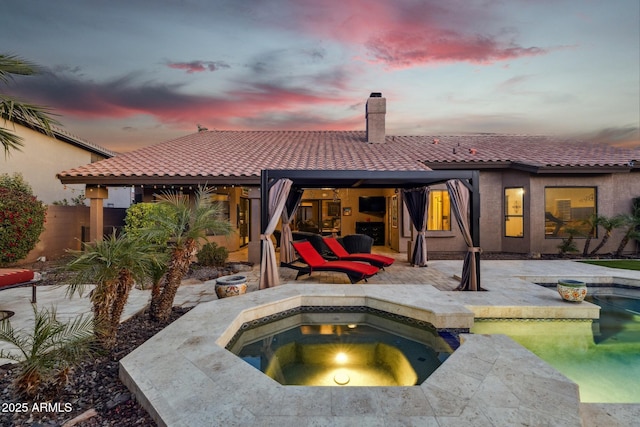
(198, 66)
(406, 34)
(401, 50)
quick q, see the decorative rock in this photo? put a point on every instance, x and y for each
(572, 290)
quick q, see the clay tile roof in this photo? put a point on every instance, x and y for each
(527, 150)
(246, 153)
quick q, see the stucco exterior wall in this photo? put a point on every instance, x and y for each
(40, 159)
(614, 196)
(615, 193)
(63, 230)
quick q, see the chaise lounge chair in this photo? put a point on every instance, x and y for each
(355, 270)
(17, 277)
(338, 250)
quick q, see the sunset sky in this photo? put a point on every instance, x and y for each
(129, 73)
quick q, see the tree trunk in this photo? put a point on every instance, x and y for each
(122, 290)
(622, 245)
(102, 298)
(109, 299)
(161, 304)
(603, 242)
(587, 241)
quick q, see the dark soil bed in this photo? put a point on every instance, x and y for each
(92, 385)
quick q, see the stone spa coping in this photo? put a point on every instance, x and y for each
(183, 376)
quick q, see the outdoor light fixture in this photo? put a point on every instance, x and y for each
(341, 357)
(341, 378)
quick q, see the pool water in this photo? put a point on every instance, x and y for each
(602, 357)
(343, 349)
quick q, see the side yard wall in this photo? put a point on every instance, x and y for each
(64, 230)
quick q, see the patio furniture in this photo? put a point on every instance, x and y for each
(357, 243)
(355, 270)
(338, 250)
(17, 277)
(315, 239)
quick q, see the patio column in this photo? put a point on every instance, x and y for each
(254, 228)
(96, 195)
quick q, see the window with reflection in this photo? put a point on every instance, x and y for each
(514, 212)
(439, 211)
(567, 211)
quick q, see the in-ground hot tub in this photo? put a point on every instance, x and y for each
(340, 346)
(185, 376)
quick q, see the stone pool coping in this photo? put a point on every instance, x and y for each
(183, 376)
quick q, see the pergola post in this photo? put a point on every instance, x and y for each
(96, 195)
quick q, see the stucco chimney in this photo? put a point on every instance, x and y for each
(375, 113)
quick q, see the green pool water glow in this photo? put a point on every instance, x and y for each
(602, 357)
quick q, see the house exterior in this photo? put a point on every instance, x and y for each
(42, 156)
(534, 190)
(39, 160)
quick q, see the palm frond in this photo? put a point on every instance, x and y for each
(10, 141)
(12, 64)
(188, 220)
(15, 337)
(12, 108)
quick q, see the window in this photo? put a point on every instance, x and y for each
(439, 211)
(223, 202)
(514, 212)
(566, 209)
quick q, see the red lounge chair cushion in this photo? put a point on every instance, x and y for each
(12, 276)
(341, 253)
(316, 262)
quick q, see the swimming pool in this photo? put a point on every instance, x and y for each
(602, 357)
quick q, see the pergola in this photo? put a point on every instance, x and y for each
(278, 199)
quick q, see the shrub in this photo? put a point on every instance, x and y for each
(22, 218)
(140, 216)
(213, 255)
(75, 201)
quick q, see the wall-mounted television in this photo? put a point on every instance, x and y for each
(375, 205)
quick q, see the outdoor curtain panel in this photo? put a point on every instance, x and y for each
(288, 214)
(459, 196)
(278, 194)
(417, 202)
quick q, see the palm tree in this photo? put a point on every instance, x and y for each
(609, 224)
(183, 226)
(631, 222)
(113, 264)
(12, 109)
(46, 356)
(592, 224)
(568, 244)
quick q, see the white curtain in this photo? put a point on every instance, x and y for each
(288, 214)
(459, 196)
(269, 275)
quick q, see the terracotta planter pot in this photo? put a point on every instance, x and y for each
(228, 286)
